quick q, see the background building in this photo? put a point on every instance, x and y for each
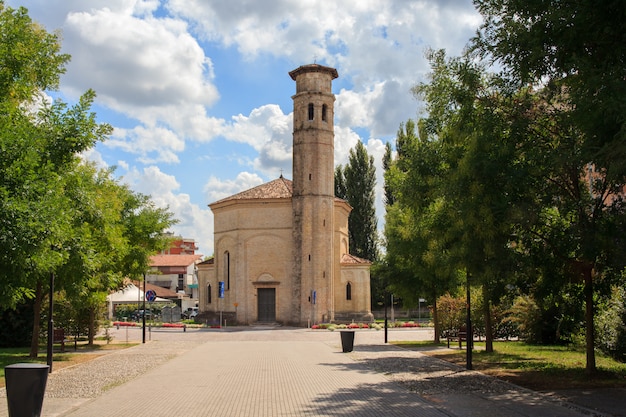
(176, 271)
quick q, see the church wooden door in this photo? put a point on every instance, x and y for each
(267, 304)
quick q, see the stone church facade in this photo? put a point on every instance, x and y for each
(281, 249)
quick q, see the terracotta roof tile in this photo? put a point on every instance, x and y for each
(279, 188)
(160, 291)
(174, 260)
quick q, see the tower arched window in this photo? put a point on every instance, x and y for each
(324, 107)
(311, 111)
(209, 296)
(348, 291)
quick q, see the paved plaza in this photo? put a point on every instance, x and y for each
(283, 372)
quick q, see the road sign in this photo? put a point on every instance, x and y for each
(150, 295)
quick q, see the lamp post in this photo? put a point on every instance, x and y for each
(143, 316)
(468, 324)
(386, 322)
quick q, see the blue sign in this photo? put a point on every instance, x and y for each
(314, 296)
(150, 295)
(221, 289)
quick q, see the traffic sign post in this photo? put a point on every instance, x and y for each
(149, 295)
(220, 296)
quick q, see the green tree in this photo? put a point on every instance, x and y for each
(577, 45)
(576, 51)
(31, 186)
(30, 58)
(106, 214)
(486, 186)
(340, 183)
(387, 162)
(417, 251)
(58, 215)
(358, 179)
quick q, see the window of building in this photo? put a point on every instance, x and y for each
(323, 112)
(181, 283)
(349, 291)
(311, 111)
(227, 270)
(209, 296)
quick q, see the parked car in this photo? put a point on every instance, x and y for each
(190, 313)
(138, 314)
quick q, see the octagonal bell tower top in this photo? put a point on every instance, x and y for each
(321, 83)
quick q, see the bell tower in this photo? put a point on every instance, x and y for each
(313, 193)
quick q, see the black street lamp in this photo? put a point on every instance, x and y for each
(143, 316)
(469, 335)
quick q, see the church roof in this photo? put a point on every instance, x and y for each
(279, 188)
(346, 258)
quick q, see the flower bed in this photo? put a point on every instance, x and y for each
(177, 325)
(124, 323)
(409, 324)
(376, 326)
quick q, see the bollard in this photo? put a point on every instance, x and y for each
(25, 387)
(184, 328)
(347, 340)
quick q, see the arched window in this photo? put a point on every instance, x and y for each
(349, 291)
(311, 111)
(227, 270)
(323, 112)
(209, 296)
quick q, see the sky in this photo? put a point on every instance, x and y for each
(199, 94)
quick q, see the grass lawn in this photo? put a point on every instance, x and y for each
(84, 353)
(541, 368)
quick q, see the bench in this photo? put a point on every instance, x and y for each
(460, 335)
(59, 338)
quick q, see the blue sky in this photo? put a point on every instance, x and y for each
(199, 93)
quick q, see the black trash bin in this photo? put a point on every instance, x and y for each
(347, 340)
(25, 386)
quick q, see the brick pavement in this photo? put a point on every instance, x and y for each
(288, 372)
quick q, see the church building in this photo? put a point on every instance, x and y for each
(281, 249)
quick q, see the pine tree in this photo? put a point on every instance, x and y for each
(359, 177)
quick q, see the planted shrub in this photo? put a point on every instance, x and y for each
(611, 325)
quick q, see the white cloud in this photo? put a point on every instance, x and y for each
(376, 149)
(195, 222)
(378, 45)
(149, 69)
(345, 139)
(136, 62)
(216, 189)
(156, 67)
(269, 131)
(151, 145)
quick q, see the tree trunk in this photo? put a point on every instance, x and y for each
(34, 342)
(436, 321)
(488, 323)
(589, 325)
(92, 325)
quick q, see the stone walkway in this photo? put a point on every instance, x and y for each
(281, 372)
